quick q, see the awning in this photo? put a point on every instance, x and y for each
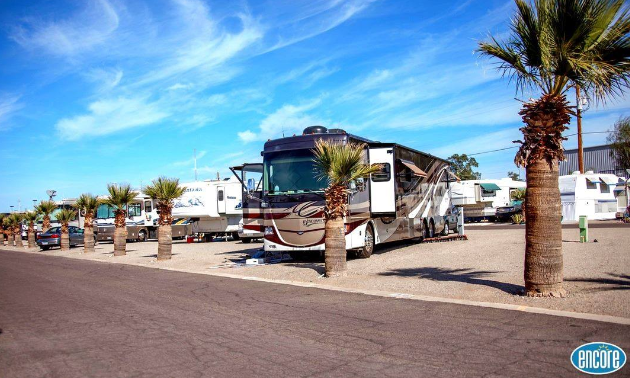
(414, 168)
(489, 186)
(452, 177)
(593, 181)
(609, 180)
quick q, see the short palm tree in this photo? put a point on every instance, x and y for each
(88, 204)
(553, 45)
(165, 191)
(65, 216)
(119, 198)
(45, 208)
(17, 228)
(31, 217)
(2, 231)
(338, 164)
(7, 224)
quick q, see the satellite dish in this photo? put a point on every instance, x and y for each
(51, 193)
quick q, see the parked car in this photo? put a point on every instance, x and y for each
(52, 237)
(450, 220)
(504, 213)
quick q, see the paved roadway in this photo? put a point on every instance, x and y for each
(71, 318)
(509, 226)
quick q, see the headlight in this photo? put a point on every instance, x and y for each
(269, 231)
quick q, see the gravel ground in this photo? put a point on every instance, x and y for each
(488, 267)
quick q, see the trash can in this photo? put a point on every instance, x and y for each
(583, 229)
(190, 239)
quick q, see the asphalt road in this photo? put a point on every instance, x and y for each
(70, 318)
(509, 226)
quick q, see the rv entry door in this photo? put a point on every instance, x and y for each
(382, 192)
(221, 199)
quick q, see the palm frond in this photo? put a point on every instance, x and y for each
(46, 207)
(164, 189)
(64, 216)
(87, 202)
(340, 164)
(120, 195)
(31, 216)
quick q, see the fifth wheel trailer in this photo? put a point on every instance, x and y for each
(481, 198)
(407, 199)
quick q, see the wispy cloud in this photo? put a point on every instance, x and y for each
(109, 116)
(9, 104)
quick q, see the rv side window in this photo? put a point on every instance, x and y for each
(220, 195)
(488, 193)
(604, 188)
(147, 207)
(590, 184)
(134, 209)
(384, 175)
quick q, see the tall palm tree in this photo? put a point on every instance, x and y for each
(338, 164)
(31, 217)
(165, 191)
(553, 45)
(119, 198)
(45, 208)
(2, 218)
(17, 229)
(88, 204)
(7, 223)
(64, 216)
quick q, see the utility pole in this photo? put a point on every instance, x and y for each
(579, 129)
(195, 158)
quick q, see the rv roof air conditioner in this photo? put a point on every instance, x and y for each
(336, 131)
(315, 130)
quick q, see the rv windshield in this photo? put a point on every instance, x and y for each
(291, 172)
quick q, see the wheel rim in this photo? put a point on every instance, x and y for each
(446, 230)
(369, 240)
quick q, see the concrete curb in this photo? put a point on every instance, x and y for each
(384, 294)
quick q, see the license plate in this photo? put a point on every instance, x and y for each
(44, 243)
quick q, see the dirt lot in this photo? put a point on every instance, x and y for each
(488, 267)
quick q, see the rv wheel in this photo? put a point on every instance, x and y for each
(429, 230)
(142, 236)
(246, 240)
(235, 236)
(368, 245)
(445, 231)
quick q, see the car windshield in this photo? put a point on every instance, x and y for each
(290, 172)
(54, 230)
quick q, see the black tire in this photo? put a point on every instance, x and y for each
(45, 247)
(246, 240)
(446, 229)
(235, 236)
(368, 245)
(429, 230)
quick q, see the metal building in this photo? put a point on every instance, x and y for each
(598, 159)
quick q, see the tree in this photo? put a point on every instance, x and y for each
(88, 204)
(45, 208)
(619, 139)
(514, 176)
(31, 217)
(65, 216)
(17, 228)
(553, 45)
(165, 191)
(119, 198)
(338, 164)
(7, 224)
(463, 166)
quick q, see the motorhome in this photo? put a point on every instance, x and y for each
(407, 199)
(251, 226)
(214, 206)
(67, 203)
(590, 194)
(481, 198)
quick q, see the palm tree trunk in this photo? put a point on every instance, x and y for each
(46, 223)
(10, 239)
(335, 244)
(1, 238)
(88, 240)
(543, 239)
(31, 237)
(165, 242)
(120, 241)
(18, 237)
(65, 241)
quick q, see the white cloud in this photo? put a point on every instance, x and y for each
(91, 27)
(106, 78)
(8, 106)
(289, 119)
(178, 86)
(110, 116)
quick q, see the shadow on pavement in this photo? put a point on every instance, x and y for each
(617, 282)
(466, 275)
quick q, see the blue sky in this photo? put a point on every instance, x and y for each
(99, 91)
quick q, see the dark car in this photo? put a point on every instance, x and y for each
(52, 237)
(504, 213)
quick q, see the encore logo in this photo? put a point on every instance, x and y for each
(598, 358)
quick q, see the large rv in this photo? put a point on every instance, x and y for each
(252, 224)
(590, 194)
(481, 198)
(67, 203)
(214, 206)
(407, 199)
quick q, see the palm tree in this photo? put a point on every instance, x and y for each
(17, 229)
(88, 204)
(554, 45)
(31, 217)
(165, 191)
(7, 224)
(338, 164)
(46, 208)
(119, 198)
(64, 216)
(2, 218)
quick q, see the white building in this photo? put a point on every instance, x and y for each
(590, 194)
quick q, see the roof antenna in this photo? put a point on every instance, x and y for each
(195, 158)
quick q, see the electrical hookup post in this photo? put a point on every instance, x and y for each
(460, 221)
(583, 229)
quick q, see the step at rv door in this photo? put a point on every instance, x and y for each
(382, 192)
(221, 199)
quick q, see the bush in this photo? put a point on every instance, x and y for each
(518, 219)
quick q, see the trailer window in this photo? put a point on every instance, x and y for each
(220, 195)
(385, 174)
(135, 209)
(147, 207)
(604, 188)
(104, 212)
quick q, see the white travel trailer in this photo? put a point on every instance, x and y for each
(214, 206)
(481, 198)
(590, 194)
